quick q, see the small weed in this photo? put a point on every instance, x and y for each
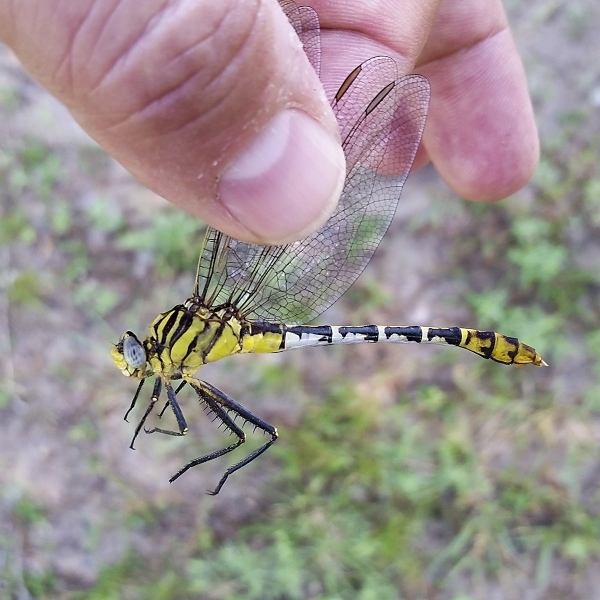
(42, 169)
(174, 239)
(15, 228)
(29, 512)
(9, 100)
(104, 215)
(25, 290)
(40, 584)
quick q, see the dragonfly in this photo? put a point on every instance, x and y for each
(250, 298)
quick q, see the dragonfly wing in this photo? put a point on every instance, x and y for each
(354, 96)
(382, 121)
(234, 273)
(306, 23)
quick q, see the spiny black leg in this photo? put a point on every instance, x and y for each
(222, 415)
(181, 422)
(273, 433)
(221, 404)
(155, 396)
(162, 412)
(135, 397)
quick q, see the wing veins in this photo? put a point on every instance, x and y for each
(381, 120)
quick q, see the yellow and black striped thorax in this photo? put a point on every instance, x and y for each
(190, 335)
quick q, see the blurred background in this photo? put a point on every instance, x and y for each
(400, 472)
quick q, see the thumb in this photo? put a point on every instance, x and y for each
(212, 105)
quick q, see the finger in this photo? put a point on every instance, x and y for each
(353, 31)
(212, 105)
(480, 134)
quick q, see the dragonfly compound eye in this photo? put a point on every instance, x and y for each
(133, 352)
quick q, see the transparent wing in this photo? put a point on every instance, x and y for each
(381, 119)
(306, 23)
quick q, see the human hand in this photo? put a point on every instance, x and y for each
(480, 134)
(191, 97)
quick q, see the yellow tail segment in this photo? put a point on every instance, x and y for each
(500, 348)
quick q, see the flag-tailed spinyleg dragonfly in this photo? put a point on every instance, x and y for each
(251, 298)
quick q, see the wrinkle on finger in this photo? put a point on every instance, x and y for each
(124, 83)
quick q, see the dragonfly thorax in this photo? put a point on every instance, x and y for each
(180, 341)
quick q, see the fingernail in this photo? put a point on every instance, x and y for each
(287, 182)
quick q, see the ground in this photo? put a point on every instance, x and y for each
(400, 472)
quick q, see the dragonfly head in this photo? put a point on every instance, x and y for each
(130, 356)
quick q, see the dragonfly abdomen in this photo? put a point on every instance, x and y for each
(487, 344)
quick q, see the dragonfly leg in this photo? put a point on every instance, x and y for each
(155, 396)
(172, 401)
(135, 397)
(167, 403)
(221, 405)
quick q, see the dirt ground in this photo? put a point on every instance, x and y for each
(63, 442)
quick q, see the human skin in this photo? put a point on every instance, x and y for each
(214, 106)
